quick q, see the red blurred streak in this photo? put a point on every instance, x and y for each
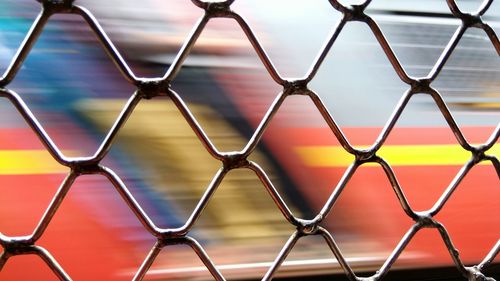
(368, 206)
(85, 248)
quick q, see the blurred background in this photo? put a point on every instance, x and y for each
(76, 93)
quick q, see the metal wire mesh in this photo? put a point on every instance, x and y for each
(160, 86)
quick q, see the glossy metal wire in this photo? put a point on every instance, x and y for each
(151, 87)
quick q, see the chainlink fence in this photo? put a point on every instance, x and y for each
(148, 88)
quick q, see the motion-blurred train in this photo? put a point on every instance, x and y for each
(76, 93)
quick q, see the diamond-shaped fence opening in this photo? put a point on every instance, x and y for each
(414, 155)
(148, 36)
(303, 28)
(356, 52)
(93, 206)
(74, 66)
(308, 150)
(470, 82)
(231, 81)
(176, 262)
(251, 234)
(482, 179)
(388, 223)
(158, 139)
(144, 199)
(418, 42)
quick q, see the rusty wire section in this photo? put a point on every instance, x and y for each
(160, 86)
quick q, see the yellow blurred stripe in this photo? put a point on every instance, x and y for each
(479, 105)
(396, 155)
(179, 167)
(26, 162)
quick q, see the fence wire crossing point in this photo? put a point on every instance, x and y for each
(160, 86)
